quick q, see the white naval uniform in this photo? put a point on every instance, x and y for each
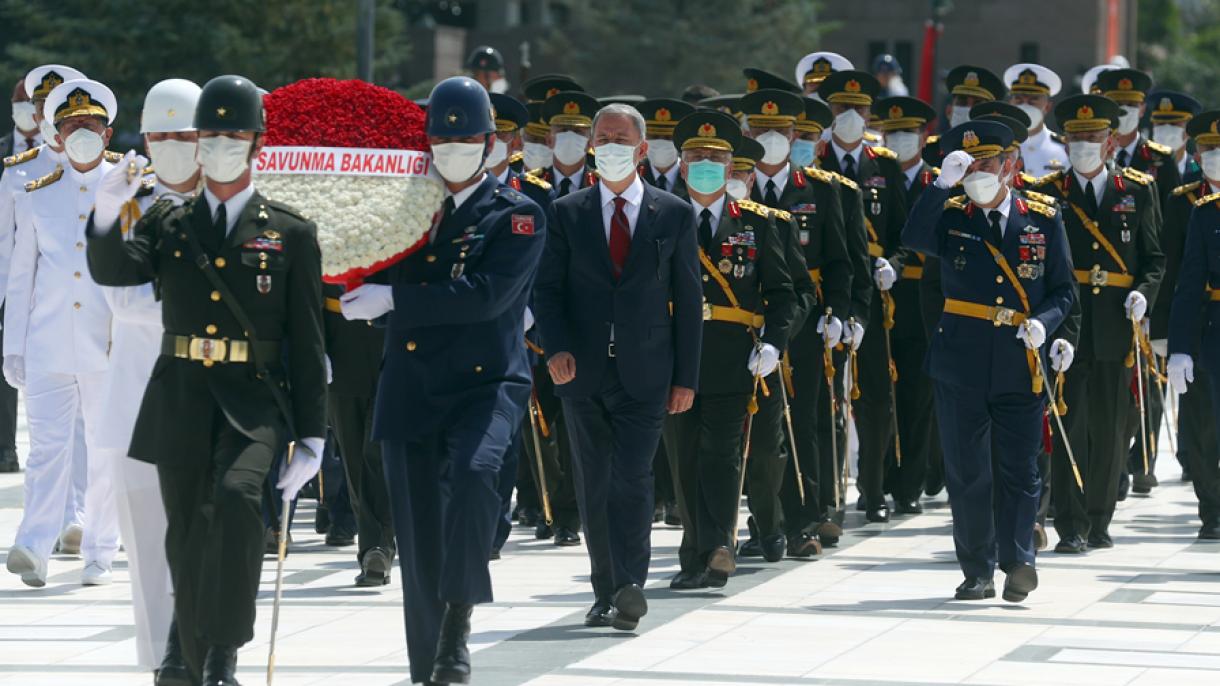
(57, 318)
(1042, 155)
(12, 186)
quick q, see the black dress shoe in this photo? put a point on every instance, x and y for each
(321, 519)
(542, 531)
(566, 537)
(629, 606)
(374, 568)
(1072, 545)
(340, 537)
(878, 515)
(803, 547)
(672, 516)
(773, 547)
(688, 581)
(220, 666)
(974, 588)
(750, 548)
(1021, 579)
(600, 614)
(452, 662)
(1209, 532)
(8, 462)
(172, 671)
(1100, 540)
(908, 507)
(1143, 483)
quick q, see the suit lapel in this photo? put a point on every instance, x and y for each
(592, 209)
(643, 227)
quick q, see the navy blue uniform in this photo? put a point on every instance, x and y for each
(986, 409)
(453, 389)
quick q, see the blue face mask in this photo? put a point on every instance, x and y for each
(705, 176)
(802, 153)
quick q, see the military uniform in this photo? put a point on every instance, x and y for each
(569, 108)
(660, 117)
(1042, 150)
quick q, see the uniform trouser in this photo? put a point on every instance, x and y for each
(614, 439)
(831, 446)
(1044, 475)
(1197, 443)
(1155, 408)
(352, 420)
(1097, 395)
(808, 405)
(59, 408)
(557, 460)
(873, 411)
(991, 443)
(768, 460)
(704, 447)
(214, 538)
(142, 523)
(443, 495)
(506, 482)
(662, 479)
(916, 421)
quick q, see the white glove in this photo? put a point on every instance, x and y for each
(884, 274)
(764, 359)
(1181, 372)
(14, 370)
(116, 189)
(369, 301)
(306, 461)
(1062, 354)
(1161, 347)
(1136, 306)
(1032, 333)
(831, 329)
(953, 168)
(853, 335)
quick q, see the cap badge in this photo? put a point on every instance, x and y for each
(551, 91)
(1027, 77)
(78, 98)
(452, 118)
(1166, 105)
(221, 112)
(895, 112)
(571, 107)
(852, 86)
(663, 114)
(751, 85)
(171, 112)
(1085, 112)
(50, 80)
(972, 79)
(707, 131)
(1125, 84)
(970, 139)
(769, 107)
(822, 66)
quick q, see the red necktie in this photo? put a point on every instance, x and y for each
(620, 237)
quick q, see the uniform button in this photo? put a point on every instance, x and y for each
(999, 300)
(262, 256)
(178, 253)
(1097, 267)
(478, 369)
(220, 263)
(999, 279)
(76, 306)
(76, 275)
(208, 363)
(215, 296)
(182, 236)
(1096, 245)
(410, 346)
(430, 258)
(81, 217)
(705, 278)
(84, 189)
(262, 265)
(211, 329)
(1096, 290)
(80, 245)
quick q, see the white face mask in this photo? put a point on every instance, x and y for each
(48, 132)
(23, 116)
(537, 156)
(457, 162)
(736, 189)
(1172, 137)
(1210, 161)
(224, 159)
(1129, 119)
(849, 126)
(905, 144)
(499, 86)
(959, 115)
(84, 146)
(570, 147)
(615, 162)
(982, 187)
(174, 161)
(499, 152)
(1034, 113)
(1084, 156)
(775, 147)
(662, 153)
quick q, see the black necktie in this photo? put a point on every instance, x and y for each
(220, 226)
(565, 187)
(849, 167)
(997, 235)
(1122, 158)
(1090, 200)
(662, 182)
(705, 229)
(770, 199)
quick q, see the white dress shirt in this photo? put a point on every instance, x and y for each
(840, 153)
(1004, 208)
(1099, 184)
(634, 195)
(716, 208)
(233, 206)
(458, 198)
(19, 145)
(911, 173)
(780, 180)
(575, 178)
(671, 175)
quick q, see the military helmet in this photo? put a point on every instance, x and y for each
(459, 107)
(485, 58)
(230, 103)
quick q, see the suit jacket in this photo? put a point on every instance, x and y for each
(577, 299)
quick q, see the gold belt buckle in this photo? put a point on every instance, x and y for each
(1098, 277)
(208, 349)
(707, 311)
(1003, 316)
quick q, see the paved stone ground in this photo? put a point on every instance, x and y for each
(874, 611)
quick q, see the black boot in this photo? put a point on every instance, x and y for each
(220, 667)
(452, 663)
(172, 671)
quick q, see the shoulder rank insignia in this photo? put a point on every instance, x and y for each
(844, 181)
(14, 160)
(781, 215)
(516, 157)
(756, 208)
(1057, 137)
(933, 138)
(1048, 178)
(1186, 188)
(871, 137)
(1025, 179)
(45, 181)
(882, 151)
(537, 181)
(1137, 176)
(1207, 199)
(957, 202)
(1041, 197)
(1158, 148)
(816, 174)
(113, 157)
(147, 185)
(1041, 208)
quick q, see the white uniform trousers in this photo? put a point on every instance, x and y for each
(142, 523)
(74, 504)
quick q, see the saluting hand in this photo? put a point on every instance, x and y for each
(955, 166)
(117, 187)
(680, 399)
(562, 367)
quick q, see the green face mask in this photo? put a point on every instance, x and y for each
(705, 176)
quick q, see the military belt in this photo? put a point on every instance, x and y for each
(333, 305)
(999, 316)
(209, 351)
(1213, 295)
(912, 272)
(816, 274)
(734, 315)
(1097, 278)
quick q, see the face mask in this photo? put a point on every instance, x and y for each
(849, 126)
(1169, 135)
(1035, 115)
(224, 159)
(174, 161)
(802, 153)
(499, 86)
(1128, 120)
(23, 116)
(1210, 161)
(538, 156)
(775, 147)
(736, 189)
(959, 115)
(84, 146)
(457, 162)
(904, 144)
(48, 132)
(1084, 156)
(705, 176)
(615, 162)
(662, 153)
(499, 151)
(982, 187)
(570, 148)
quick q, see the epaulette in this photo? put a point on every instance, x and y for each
(516, 157)
(957, 202)
(1138, 176)
(14, 160)
(757, 208)
(1186, 188)
(146, 187)
(819, 174)
(1057, 137)
(1042, 198)
(871, 137)
(933, 139)
(883, 151)
(537, 181)
(1041, 208)
(286, 209)
(507, 193)
(112, 156)
(1159, 148)
(1207, 199)
(844, 181)
(1048, 178)
(1027, 178)
(45, 181)
(782, 215)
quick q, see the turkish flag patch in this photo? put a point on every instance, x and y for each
(523, 224)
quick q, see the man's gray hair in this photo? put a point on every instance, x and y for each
(622, 110)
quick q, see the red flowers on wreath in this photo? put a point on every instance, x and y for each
(331, 113)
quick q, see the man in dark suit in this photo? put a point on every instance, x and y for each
(618, 301)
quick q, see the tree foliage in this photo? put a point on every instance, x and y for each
(1180, 46)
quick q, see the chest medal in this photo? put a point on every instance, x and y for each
(263, 283)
